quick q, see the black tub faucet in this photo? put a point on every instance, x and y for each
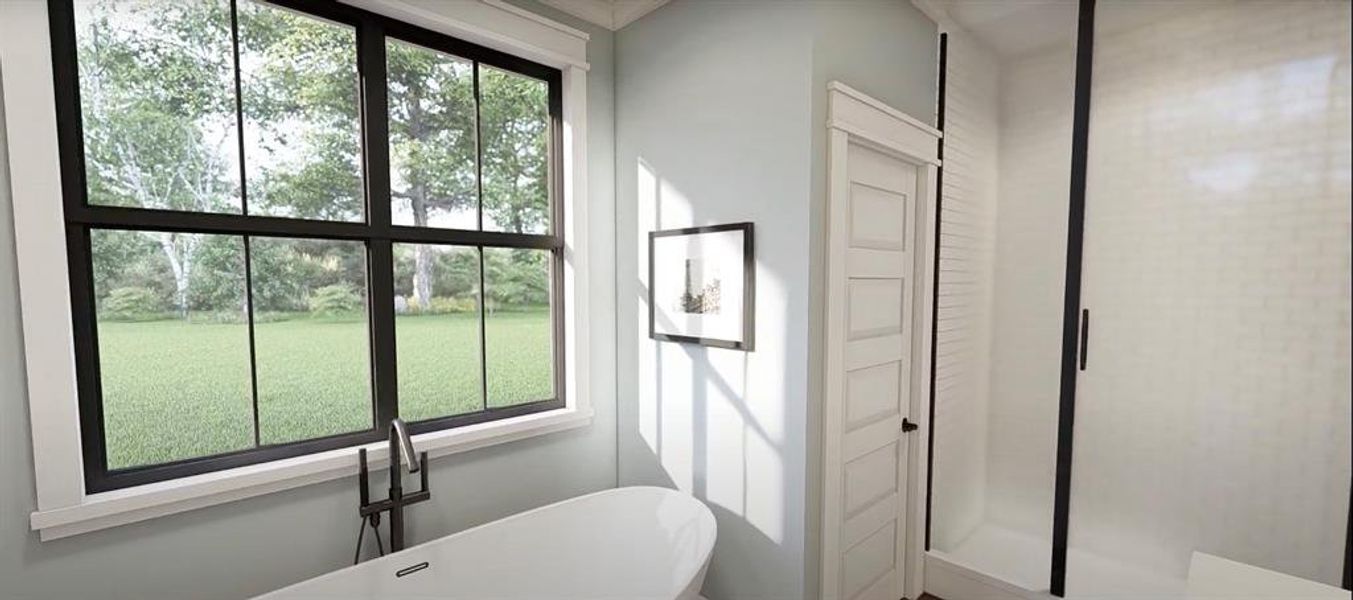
(401, 445)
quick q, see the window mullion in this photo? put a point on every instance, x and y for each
(83, 312)
(478, 147)
(249, 317)
(479, 198)
(244, 209)
(483, 337)
(239, 102)
(380, 255)
(556, 192)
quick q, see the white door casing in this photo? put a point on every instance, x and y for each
(881, 172)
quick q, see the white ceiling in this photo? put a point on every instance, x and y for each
(1014, 27)
(1017, 27)
(611, 14)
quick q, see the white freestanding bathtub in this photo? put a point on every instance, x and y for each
(634, 542)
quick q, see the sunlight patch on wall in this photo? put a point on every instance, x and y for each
(715, 429)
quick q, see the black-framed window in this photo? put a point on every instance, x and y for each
(289, 222)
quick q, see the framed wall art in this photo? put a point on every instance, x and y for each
(702, 286)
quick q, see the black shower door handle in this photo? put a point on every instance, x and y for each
(1085, 336)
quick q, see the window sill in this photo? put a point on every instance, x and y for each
(119, 507)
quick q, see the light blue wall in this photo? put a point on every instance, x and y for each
(723, 105)
(887, 49)
(712, 102)
(247, 547)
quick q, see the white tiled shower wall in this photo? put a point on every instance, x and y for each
(1215, 413)
(967, 256)
(1007, 144)
(1036, 107)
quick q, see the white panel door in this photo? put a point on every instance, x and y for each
(871, 284)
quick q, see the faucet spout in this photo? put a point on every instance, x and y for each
(402, 443)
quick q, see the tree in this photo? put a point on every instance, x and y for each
(300, 104)
(159, 110)
(432, 142)
(517, 277)
(515, 122)
(150, 82)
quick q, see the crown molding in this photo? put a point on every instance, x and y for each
(611, 14)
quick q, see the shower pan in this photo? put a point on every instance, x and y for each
(1143, 304)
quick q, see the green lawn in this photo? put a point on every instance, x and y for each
(175, 390)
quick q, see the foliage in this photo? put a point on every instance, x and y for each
(300, 84)
(128, 303)
(158, 108)
(287, 271)
(217, 280)
(516, 135)
(452, 272)
(444, 306)
(336, 299)
(516, 277)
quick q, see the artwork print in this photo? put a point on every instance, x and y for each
(701, 285)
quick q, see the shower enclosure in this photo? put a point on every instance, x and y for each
(1143, 304)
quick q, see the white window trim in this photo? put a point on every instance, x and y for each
(63, 507)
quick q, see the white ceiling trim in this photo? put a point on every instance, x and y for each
(490, 23)
(597, 12)
(629, 11)
(936, 12)
(611, 14)
(551, 23)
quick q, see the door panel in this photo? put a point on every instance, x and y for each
(871, 560)
(875, 307)
(876, 291)
(878, 218)
(870, 478)
(871, 394)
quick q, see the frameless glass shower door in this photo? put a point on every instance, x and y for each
(1213, 412)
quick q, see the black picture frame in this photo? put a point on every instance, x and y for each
(747, 341)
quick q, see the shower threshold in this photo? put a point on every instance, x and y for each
(1000, 562)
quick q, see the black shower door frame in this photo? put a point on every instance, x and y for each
(1075, 318)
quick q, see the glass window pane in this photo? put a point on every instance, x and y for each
(173, 345)
(311, 342)
(518, 335)
(516, 121)
(158, 105)
(437, 330)
(432, 138)
(302, 130)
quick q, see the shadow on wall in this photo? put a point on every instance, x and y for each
(709, 427)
